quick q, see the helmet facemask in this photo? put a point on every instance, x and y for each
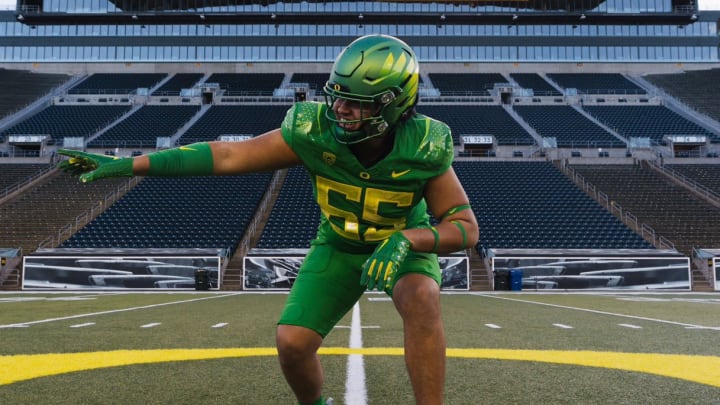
(371, 114)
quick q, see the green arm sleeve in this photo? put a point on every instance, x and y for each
(190, 160)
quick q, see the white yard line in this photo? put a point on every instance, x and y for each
(643, 318)
(82, 325)
(562, 326)
(355, 389)
(114, 311)
(492, 326)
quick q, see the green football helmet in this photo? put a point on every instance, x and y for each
(377, 69)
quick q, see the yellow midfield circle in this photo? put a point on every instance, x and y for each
(698, 369)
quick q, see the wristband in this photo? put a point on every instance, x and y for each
(190, 160)
(436, 235)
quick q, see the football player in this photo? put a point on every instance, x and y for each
(377, 167)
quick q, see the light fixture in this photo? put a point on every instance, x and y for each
(20, 17)
(134, 17)
(442, 17)
(582, 17)
(202, 17)
(693, 17)
(515, 17)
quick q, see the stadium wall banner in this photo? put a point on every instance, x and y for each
(272, 269)
(118, 272)
(588, 269)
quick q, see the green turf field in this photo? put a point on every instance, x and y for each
(218, 348)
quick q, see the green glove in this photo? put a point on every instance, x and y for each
(379, 269)
(91, 166)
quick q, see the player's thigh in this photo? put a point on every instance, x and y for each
(420, 263)
(326, 287)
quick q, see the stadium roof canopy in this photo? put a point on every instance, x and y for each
(40, 12)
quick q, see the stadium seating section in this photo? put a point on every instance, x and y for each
(11, 174)
(177, 83)
(519, 203)
(21, 88)
(533, 81)
(651, 121)
(117, 83)
(534, 205)
(59, 201)
(466, 83)
(479, 120)
(706, 175)
(316, 81)
(671, 210)
(235, 120)
(596, 83)
(191, 212)
(235, 84)
(295, 217)
(692, 89)
(142, 127)
(60, 121)
(570, 127)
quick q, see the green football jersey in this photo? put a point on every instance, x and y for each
(360, 205)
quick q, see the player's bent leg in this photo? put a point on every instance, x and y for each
(417, 299)
(297, 351)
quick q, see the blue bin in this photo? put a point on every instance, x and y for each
(516, 280)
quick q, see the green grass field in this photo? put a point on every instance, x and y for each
(218, 348)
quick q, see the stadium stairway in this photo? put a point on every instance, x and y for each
(232, 276)
(699, 282)
(11, 281)
(479, 273)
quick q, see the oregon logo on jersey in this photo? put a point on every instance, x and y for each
(329, 158)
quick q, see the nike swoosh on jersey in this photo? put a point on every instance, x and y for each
(395, 174)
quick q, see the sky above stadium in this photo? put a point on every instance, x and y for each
(709, 4)
(703, 4)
